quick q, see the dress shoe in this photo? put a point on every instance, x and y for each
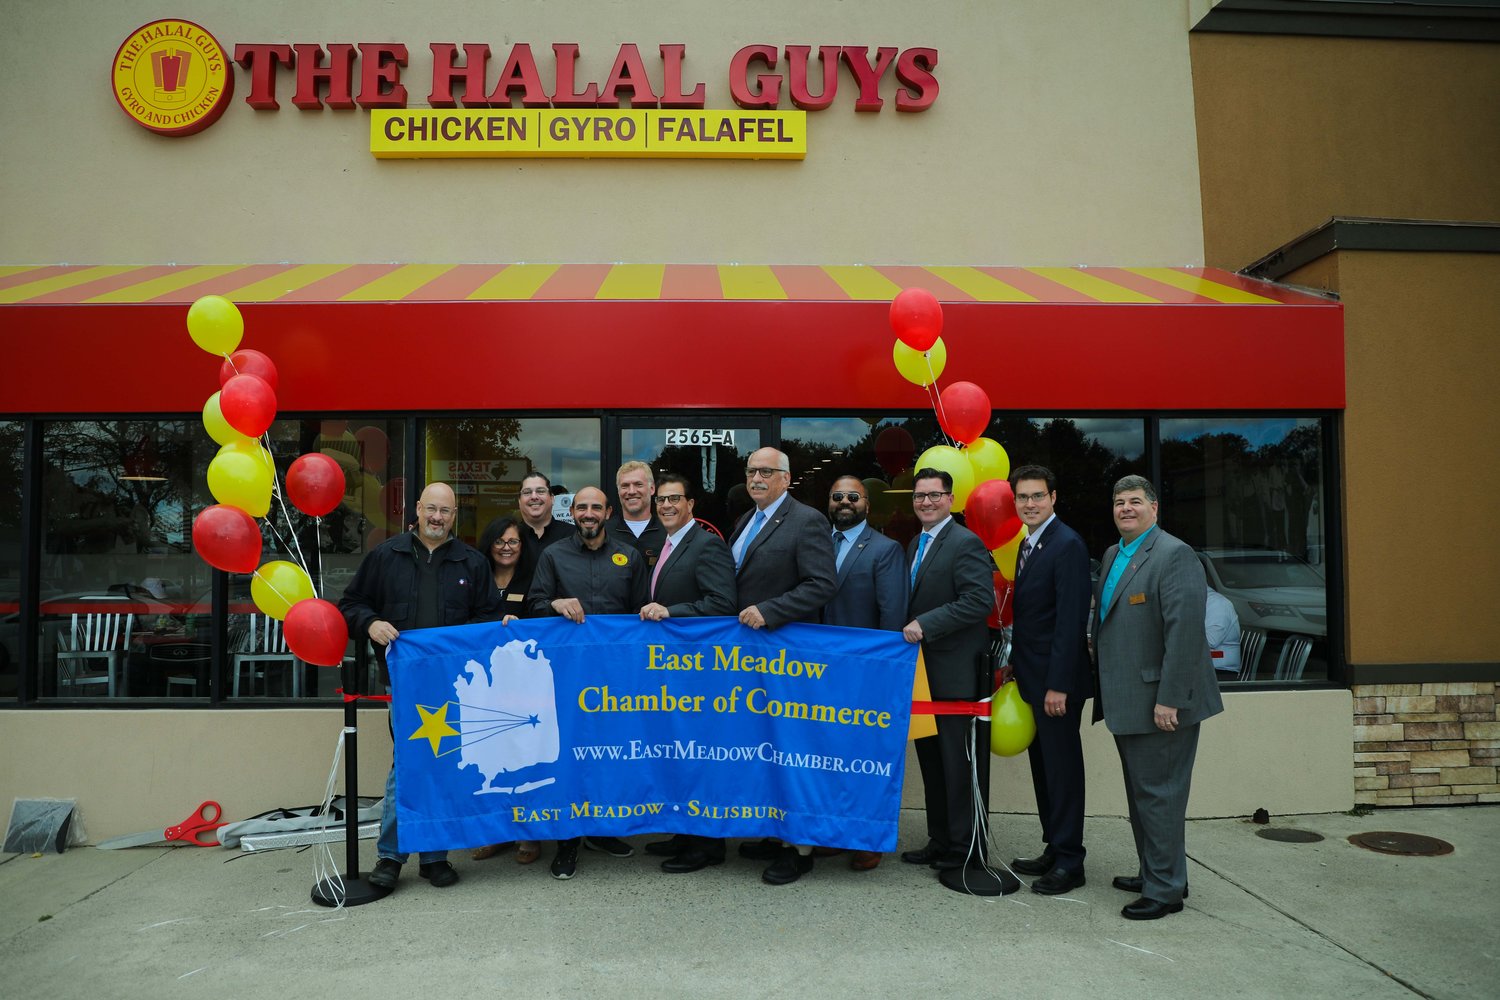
(1058, 881)
(788, 868)
(1039, 865)
(439, 873)
(863, 861)
(385, 874)
(1134, 883)
(1149, 909)
(922, 856)
(613, 846)
(948, 860)
(690, 860)
(768, 849)
(669, 848)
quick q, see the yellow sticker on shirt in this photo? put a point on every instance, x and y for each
(619, 559)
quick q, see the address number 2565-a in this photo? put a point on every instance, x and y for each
(679, 436)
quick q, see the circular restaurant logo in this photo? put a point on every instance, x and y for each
(172, 77)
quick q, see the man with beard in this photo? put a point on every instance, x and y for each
(588, 573)
(634, 523)
(539, 529)
(871, 575)
(422, 578)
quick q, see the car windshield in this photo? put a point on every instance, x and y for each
(1265, 569)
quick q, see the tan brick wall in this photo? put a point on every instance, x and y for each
(1426, 744)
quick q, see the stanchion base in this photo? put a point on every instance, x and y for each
(977, 881)
(356, 892)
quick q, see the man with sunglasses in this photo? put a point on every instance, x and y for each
(784, 572)
(871, 581)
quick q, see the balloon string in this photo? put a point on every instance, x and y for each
(936, 398)
(296, 547)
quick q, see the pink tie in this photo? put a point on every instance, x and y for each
(665, 551)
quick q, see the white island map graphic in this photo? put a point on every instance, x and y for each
(507, 717)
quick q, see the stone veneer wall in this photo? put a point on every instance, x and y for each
(1426, 744)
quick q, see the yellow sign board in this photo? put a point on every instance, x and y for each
(588, 132)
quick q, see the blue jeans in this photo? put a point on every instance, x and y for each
(385, 847)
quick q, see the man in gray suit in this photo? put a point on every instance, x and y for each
(871, 581)
(1156, 684)
(784, 573)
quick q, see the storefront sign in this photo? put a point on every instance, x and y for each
(172, 77)
(776, 135)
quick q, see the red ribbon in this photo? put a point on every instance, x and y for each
(975, 708)
(361, 697)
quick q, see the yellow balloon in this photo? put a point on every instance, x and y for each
(215, 324)
(218, 428)
(278, 585)
(988, 459)
(1012, 723)
(1005, 555)
(919, 367)
(953, 462)
(239, 478)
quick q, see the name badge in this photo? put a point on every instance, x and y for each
(1137, 598)
(518, 598)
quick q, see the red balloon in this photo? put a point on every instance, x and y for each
(249, 404)
(894, 449)
(248, 362)
(375, 448)
(316, 632)
(990, 509)
(227, 538)
(917, 318)
(964, 411)
(315, 485)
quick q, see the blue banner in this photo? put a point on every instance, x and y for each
(546, 729)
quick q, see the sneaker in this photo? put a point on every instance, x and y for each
(613, 846)
(565, 863)
(439, 873)
(385, 874)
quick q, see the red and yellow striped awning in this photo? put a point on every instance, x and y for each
(69, 284)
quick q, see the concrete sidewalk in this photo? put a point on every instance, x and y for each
(1266, 919)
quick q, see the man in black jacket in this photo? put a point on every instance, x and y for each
(424, 578)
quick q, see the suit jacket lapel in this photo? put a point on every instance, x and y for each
(1136, 562)
(932, 547)
(769, 526)
(666, 565)
(856, 546)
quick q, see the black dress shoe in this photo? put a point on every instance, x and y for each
(1040, 865)
(788, 868)
(669, 848)
(1149, 909)
(768, 849)
(1134, 883)
(922, 856)
(690, 860)
(948, 860)
(1058, 881)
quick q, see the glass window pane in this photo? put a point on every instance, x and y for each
(1247, 494)
(716, 470)
(124, 599)
(12, 439)
(485, 458)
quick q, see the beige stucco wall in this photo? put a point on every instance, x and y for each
(1064, 134)
(1288, 752)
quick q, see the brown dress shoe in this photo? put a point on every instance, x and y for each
(863, 861)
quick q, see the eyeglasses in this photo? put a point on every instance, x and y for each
(508, 543)
(1031, 497)
(754, 473)
(840, 497)
(924, 497)
(672, 498)
(430, 509)
(536, 491)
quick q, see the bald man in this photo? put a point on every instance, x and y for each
(424, 578)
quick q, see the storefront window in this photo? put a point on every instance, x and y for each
(11, 438)
(484, 459)
(1247, 494)
(124, 599)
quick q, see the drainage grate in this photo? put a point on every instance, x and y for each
(1410, 844)
(1288, 836)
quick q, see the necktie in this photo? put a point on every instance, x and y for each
(760, 518)
(917, 562)
(1025, 554)
(839, 551)
(666, 550)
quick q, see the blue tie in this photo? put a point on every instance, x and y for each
(760, 518)
(839, 550)
(917, 562)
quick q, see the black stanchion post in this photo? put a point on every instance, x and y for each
(352, 889)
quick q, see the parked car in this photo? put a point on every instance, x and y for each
(1271, 590)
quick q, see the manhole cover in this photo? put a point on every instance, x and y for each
(1286, 836)
(1413, 844)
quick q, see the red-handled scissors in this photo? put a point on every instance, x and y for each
(197, 830)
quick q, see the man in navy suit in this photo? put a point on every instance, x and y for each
(871, 572)
(1050, 660)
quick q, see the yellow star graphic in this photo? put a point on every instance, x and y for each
(434, 726)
